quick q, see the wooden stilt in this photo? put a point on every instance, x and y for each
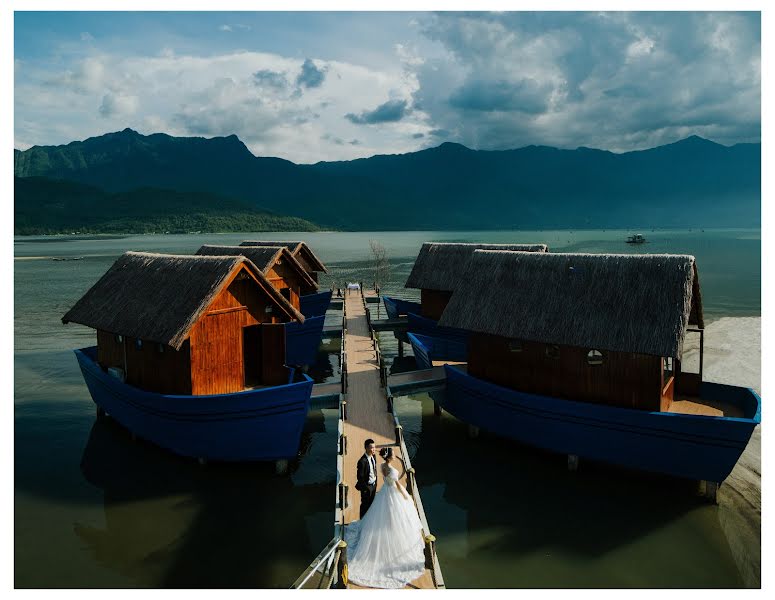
(100, 412)
(437, 410)
(711, 491)
(400, 349)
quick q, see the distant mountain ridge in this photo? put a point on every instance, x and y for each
(47, 206)
(693, 182)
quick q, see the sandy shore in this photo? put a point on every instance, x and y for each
(733, 356)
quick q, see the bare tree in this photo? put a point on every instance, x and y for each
(380, 264)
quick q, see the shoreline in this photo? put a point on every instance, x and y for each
(740, 496)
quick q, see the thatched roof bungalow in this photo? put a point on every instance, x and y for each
(301, 252)
(276, 263)
(440, 267)
(602, 328)
(188, 324)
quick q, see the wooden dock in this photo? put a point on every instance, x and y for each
(366, 411)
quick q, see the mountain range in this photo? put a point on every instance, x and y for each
(691, 183)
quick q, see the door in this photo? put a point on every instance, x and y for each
(274, 371)
(251, 351)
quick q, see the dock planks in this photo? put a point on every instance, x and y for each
(367, 414)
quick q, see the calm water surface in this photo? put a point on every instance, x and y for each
(94, 509)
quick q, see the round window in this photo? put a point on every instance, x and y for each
(595, 357)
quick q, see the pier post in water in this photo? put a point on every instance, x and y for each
(710, 491)
(100, 412)
(437, 410)
(400, 349)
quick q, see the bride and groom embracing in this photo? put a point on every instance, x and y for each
(386, 547)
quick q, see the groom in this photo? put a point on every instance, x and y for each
(366, 482)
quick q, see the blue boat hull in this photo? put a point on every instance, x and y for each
(430, 328)
(396, 307)
(302, 341)
(254, 425)
(315, 305)
(427, 349)
(690, 446)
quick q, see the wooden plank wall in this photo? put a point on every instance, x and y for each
(158, 368)
(624, 379)
(433, 303)
(110, 352)
(284, 277)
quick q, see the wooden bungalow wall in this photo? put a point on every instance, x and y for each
(433, 303)
(623, 379)
(217, 365)
(153, 367)
(283, 277)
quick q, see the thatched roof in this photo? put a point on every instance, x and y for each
(296, 248)
(264, 257)
(624, 303)
(440, 266)
(160, 297)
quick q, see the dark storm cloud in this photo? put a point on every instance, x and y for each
(610, 80)
(310, 76)
(525, 95)
(390, 111)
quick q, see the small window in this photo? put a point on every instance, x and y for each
(160, 348)
(553, 351)
(594, 357)
(668, 365)
(515, 346)
(268, 309)
(139, 344)
(119, 339)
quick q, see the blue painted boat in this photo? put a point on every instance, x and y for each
(427, 349)
(396, 307)
(315, 305)
(431, 328)
(253, 425)
(302, 340)
(684, 445)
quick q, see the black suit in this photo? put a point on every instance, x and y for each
(362, 483)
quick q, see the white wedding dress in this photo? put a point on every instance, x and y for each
(386, 549)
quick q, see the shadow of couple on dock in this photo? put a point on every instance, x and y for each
(170, 522)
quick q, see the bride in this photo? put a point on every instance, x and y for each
(386, 547)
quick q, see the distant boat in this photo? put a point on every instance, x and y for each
(636, 238)
(62, 258)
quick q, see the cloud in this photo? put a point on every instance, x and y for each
(525, 95)
(310, 76)
(270, 79)
(225, 28)
(418, 136)
(118, 106)
(234, 26)
(86, 36)
(390, 111)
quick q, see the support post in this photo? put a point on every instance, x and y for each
(430, 541)
(711, 491)
(399, 429)
(437, 410)
(573, 462)
(410, 480)
(473, 432)
(341, 567)
(100, 412)
(390, 404)
(281, 466)
(400, 349)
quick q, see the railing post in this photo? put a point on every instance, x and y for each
(344, 410)
(399, 431)
(390, 404)
(430, 542)
(343, 496)
(410, 482)
(341, 567)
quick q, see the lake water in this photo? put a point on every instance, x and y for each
(94, 509)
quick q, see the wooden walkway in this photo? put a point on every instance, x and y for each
(367, 413)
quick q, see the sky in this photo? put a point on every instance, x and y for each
(326, 86)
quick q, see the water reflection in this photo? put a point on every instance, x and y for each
(170, 522)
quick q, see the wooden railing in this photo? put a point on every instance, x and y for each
(431, 560)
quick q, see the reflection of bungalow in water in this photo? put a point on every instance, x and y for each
(188, 325)
(276, 263)
(300, 251)
(440, 267)
(581, 354)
